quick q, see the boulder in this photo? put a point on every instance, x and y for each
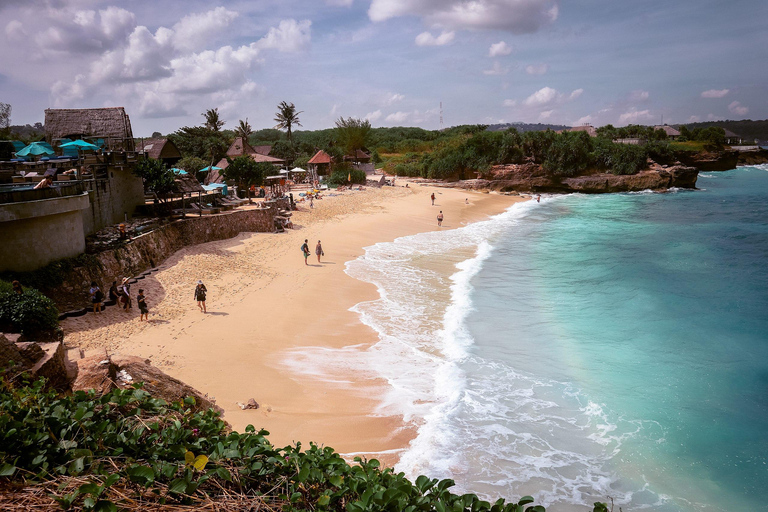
(53, 365)
(10, 355)
(30, 351)
(131, 370)
(95, 372)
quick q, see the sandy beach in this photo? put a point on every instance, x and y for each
(264, 303)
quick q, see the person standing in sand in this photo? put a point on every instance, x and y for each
(305, 250)
(538, 198)
(200, 291)
(433, 198)
(319, 251)
(126, 295)
(97, 297)
(141, 300)
(440, 218)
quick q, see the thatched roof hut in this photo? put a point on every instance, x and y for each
(111, 124)
(187, 184)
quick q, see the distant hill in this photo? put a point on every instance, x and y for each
(526, 127)
(27, 131)
(747, 129)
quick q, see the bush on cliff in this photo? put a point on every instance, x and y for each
(31, 313)
(127, 448)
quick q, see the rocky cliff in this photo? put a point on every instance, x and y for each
(532, 178)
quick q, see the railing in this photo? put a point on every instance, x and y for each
(22, 193)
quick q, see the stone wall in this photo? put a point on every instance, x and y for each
(112, 198)
(151, 249)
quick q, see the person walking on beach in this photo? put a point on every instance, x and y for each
(433, 199)
(97, 297)
(200, 291)
(114, 294)
(305, 250)
(440, 218)
(538, 198)
(141, 300)
(311, 201)
(319, 251)
(126, 295)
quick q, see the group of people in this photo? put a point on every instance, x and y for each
(305, 250)
(120, 295)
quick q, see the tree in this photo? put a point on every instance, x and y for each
(245, 172)
(352, 133)
(192, 165)
(244, 130)
(212, 120)
(286, 118)
(5, 120)
(156, 135)
(157, 177)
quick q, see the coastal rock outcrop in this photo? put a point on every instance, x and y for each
(532, 178)
(38, 360)
(710, 161)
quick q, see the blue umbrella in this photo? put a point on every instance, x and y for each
(36, 149)
(80, 144)
(210, 168)
(178, 171)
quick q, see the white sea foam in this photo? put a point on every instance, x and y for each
(492, 428)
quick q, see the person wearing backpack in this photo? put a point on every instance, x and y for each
(305, 250)
(97, 297)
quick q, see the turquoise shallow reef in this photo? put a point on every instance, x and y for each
(586, 347)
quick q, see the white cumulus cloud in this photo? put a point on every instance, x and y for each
(542, 97)
(510, 103)
(373, 116)
(715, 93)
(397, 117)
(496, 69)
(639, 96)
(499, 49)
(538, 69)
(516, 16)
(634, 116)
(427, 39)
(193, 30)
(289, 36)
(737, 108)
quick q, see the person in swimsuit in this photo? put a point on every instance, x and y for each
(305, 250)
(200, 291)
(319, 251)
(440, 218)
(433, 199)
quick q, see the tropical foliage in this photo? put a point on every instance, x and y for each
(287, 117)
(157, 177)
(96, 453)
(30, 313)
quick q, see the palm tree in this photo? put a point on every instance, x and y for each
(212, 121)
(286, 117)
(243, 130)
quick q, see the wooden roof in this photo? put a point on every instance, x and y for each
(321, 157)
(74, 123)
(186, 183)
(240, 147)
(262, 150)
(158, 148)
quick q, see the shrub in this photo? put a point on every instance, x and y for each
(340, 176)
(30, 313)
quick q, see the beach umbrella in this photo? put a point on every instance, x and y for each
(210, 168)
(36, 149)
(79, 144)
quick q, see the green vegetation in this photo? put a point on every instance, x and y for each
(98, 452)
(343, 174)
(30, 313)
(352, 134)
(746, 128)
(287, 117)
(245, 172)
(158, 178)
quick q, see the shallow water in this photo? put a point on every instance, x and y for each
(584, 347)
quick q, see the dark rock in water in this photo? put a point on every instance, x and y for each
(753, 157)
(710, 162)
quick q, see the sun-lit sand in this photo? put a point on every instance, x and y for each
(263, 301)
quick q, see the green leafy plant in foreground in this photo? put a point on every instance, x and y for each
(157, 453)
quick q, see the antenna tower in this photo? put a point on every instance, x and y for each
(441, 116)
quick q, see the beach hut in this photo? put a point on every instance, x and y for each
(320, 163)
(111, 124)
(671, 132)
(160, 149)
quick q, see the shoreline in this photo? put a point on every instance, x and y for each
(263, 302)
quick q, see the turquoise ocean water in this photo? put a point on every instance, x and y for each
(583, 348)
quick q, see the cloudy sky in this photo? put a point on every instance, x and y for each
(391, 61)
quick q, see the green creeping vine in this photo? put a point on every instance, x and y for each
(158, 453)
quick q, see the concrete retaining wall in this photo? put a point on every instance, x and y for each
(35, 233)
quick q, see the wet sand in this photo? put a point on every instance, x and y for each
(263, 301)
